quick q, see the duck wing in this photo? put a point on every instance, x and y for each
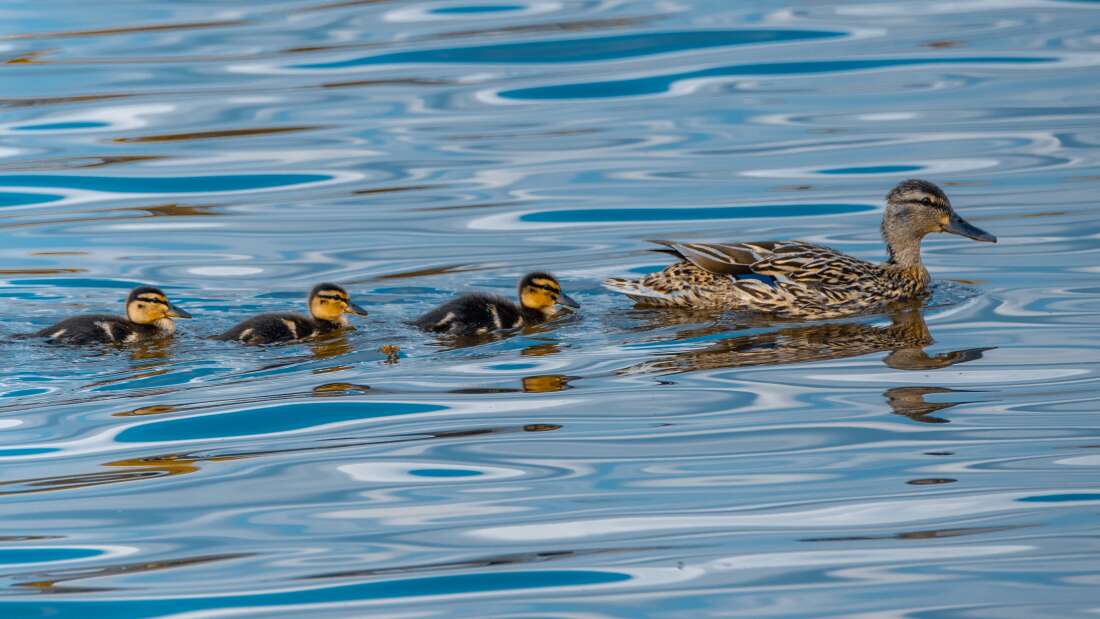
(789, 261)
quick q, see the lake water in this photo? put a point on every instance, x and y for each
(616, 463)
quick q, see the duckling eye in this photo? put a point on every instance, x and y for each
(926, 201)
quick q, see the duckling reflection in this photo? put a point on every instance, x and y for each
(151, 350)
(334, 345)
(540, 350)
(905, 337)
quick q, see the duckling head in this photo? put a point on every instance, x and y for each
(147, 305)
(915, 208)
(330, 302)
(542, 292)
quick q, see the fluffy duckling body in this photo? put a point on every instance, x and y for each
(478, 313)
(799, 280)
(327, 305)
(148, 316)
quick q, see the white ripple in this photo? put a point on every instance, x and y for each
(121, 117)
(403, 472)
(906, 510)
(860, 557)
(424, 13)
(221, 271)
(998, 376)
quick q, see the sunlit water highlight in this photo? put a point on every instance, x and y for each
(618, 462)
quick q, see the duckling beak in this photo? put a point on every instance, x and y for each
(958, 225)
(568, 301)
(355, 309)
(176, 312)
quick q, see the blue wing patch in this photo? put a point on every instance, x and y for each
(767, 279)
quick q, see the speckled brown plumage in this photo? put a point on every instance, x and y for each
(790, 279)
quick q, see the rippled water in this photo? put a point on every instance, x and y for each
(617, 463)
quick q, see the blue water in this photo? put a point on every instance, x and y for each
(620, 462)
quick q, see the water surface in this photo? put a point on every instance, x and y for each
(938, 461)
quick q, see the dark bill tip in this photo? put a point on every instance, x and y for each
(355, 309)
(175, 312)
(958, 225)
(568, 301)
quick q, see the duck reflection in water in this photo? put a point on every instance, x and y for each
(333, 345)
(909, 402)
(905, 338)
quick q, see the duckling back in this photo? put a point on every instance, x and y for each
(98, 329)
(472, 314)
(274, 328)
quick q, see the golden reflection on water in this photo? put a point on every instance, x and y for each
(50, 581)
(172, 464)
(334, 345)
(916, 535)
(540, 350)
(546, 383)
(156, 409)
(339, 389)
(210, 135)
(60, 271)
(66, 163)
(126, 29)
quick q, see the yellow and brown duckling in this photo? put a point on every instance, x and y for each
(799, 280)
(148, 316)
(327, 305)
(477, 313)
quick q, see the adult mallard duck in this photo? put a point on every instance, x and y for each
(148, 316)
(327, 305)
(799, 280)
(477, 313)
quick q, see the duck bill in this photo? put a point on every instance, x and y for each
(958, 225)
(355, 309)
(568, 301)
(176, 312)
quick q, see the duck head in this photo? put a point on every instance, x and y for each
(330, 302)
(916, 208)
(147, 305)
(542, 292)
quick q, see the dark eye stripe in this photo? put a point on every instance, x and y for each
(331, 297)
(548, 288)
(153, 300)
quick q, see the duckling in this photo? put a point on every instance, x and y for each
(799, 280)
(327, 305)
(479, 313)
(149, 316)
